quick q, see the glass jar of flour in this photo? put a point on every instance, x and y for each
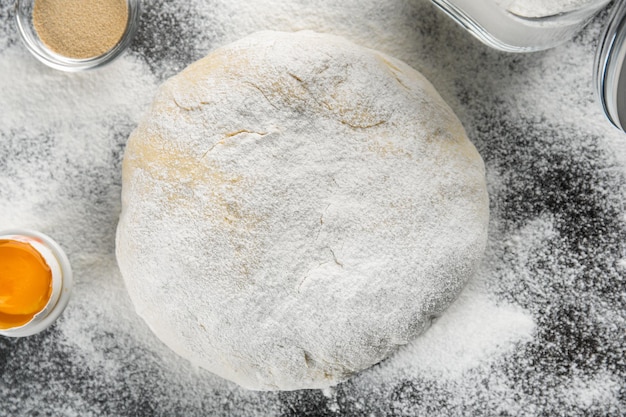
(522, 25)
(533, 25)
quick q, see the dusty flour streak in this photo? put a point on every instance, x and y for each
(473, 332)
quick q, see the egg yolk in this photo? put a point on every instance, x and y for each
(25, 283)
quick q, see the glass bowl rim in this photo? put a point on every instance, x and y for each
(62, 63)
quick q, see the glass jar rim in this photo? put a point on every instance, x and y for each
(610, 68)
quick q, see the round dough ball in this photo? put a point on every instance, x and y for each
(295, 208)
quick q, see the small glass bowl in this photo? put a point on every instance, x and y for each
(62, 281)
(26, 29)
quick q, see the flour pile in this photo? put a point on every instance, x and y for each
(544, 8)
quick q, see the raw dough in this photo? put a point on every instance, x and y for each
(295, 208)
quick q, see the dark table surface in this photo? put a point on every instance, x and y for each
(540, 331)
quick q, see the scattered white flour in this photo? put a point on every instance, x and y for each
(475, 331)
(46, 114)
(593, 390)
